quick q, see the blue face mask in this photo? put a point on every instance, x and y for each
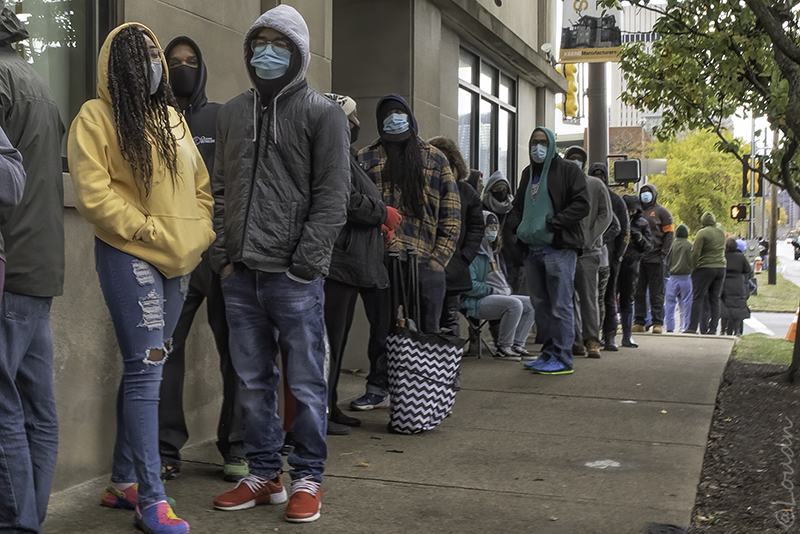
(395, 123)
(647, 197)
(491, 235)
(271, 63)
(156, 72)
(538, 153)
(578, 163)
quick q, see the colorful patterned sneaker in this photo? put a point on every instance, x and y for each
(160, 519)
(125, 500)
(369, 401)
(555, 367)
(306, 501)
(250, 491)
(235, 469)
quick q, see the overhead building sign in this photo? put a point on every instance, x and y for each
(590, 34)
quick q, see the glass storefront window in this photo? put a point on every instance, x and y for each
(488, 78)
(503, 131)
(485, 146)
(61, 49)
(467, 66)
(464, 122)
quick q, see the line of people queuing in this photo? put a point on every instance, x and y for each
(262, 208)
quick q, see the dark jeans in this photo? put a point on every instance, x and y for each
(377, 307)
(610, 299)
(144, 307)
(602, 286)
(270, 314)
(28, 427)
(449, 320)
(432, 288)
(2, 276)
(651, 276)
(626, 282)
(551, 279)
(172, 431)
(707, 283)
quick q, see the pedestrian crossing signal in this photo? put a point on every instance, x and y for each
(739, 212)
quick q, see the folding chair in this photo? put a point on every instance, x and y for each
(475, 330)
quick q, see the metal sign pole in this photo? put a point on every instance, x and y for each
(751, 181)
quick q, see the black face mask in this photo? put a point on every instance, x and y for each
(354, 133)
(183, 80)
(501, 195)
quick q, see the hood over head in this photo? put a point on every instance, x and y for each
(573, 150)
(385, 105)
(551, 150)
(11, 28)
(496, 176)
(453, 155)
(105, 54)
(501, 207)
(597, 166)
(489, 218)
(632, 202)
(682, 231)
(653, 190)
(290, 23)
(474, 178)
(708, 219)
(198, 97)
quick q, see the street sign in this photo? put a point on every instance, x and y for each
(590, 34)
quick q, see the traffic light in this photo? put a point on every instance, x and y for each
(739, 212)
(571, 102)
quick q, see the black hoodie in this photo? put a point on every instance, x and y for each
(201, 115)
(661, 226)
(616, 247)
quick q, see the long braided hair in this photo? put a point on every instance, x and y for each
(404, 171)
(141, 120)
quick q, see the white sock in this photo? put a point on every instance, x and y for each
(121, 486)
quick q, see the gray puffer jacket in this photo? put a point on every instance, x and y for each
(282, 174)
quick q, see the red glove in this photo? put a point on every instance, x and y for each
(393, 218)
(388, 235)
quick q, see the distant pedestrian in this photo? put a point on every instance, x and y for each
(490, 297)
(641, 242)
(547, 216)
(281, 184)
(146, 192)
(735, 290)
(187, 77)
(679, 283)
(587, 313)
(32, 244)
(651, 272)
(708, 259)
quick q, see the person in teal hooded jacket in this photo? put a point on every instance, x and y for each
(550, 225)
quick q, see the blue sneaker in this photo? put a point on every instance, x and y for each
(555, 367)
(369, 401)
(538, 363)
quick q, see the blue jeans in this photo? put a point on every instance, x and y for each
(145, 307)
(551, 281)
(679, 290)
(270, 314)
(28, 427)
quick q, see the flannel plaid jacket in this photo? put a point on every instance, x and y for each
(434, 238)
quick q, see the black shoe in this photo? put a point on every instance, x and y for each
(336, 429)
(170, 471)
(337, 416)
(288, 444)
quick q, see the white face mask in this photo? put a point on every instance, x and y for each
(156, 72)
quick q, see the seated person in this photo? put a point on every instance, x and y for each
(490, 297)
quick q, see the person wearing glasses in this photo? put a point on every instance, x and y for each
(548, 211)
(140, 180)
(281, 184)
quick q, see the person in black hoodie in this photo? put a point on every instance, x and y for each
(470, 237)
(616, 251)
(357, 268)
(641, 243)
(187, 76)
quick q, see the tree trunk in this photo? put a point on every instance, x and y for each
(794, 368)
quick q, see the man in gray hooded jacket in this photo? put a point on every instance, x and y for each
(281, 183)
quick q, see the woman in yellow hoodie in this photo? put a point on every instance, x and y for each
(140, 180)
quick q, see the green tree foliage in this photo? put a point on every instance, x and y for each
(699, 178)
(714, 57)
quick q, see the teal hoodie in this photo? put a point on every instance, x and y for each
(709, 245)
(536, 212)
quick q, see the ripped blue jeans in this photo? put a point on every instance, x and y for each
(145, 307)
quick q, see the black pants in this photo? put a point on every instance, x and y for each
(340, 305)
(628, 277)
(732, 327)
(651, 276)
(172, 431)
(609, 325)
(707, 283)
(449, 320)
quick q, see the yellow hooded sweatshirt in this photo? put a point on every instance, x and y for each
(172, 226)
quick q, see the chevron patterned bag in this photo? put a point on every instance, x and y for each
(422, 374)
(422, 367)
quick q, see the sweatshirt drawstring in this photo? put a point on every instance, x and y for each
(275, 120)
(255, 116)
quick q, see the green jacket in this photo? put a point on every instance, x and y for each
(679, 259)
(709, 246)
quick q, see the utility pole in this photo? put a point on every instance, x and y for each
(751, 228)
(772, 277)
(598, 114)
(763, 194)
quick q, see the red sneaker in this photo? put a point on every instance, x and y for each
(305, 502)
(250, 491)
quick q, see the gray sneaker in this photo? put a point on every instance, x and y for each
(507, 354)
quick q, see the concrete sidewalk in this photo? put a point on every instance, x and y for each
(607, 450)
